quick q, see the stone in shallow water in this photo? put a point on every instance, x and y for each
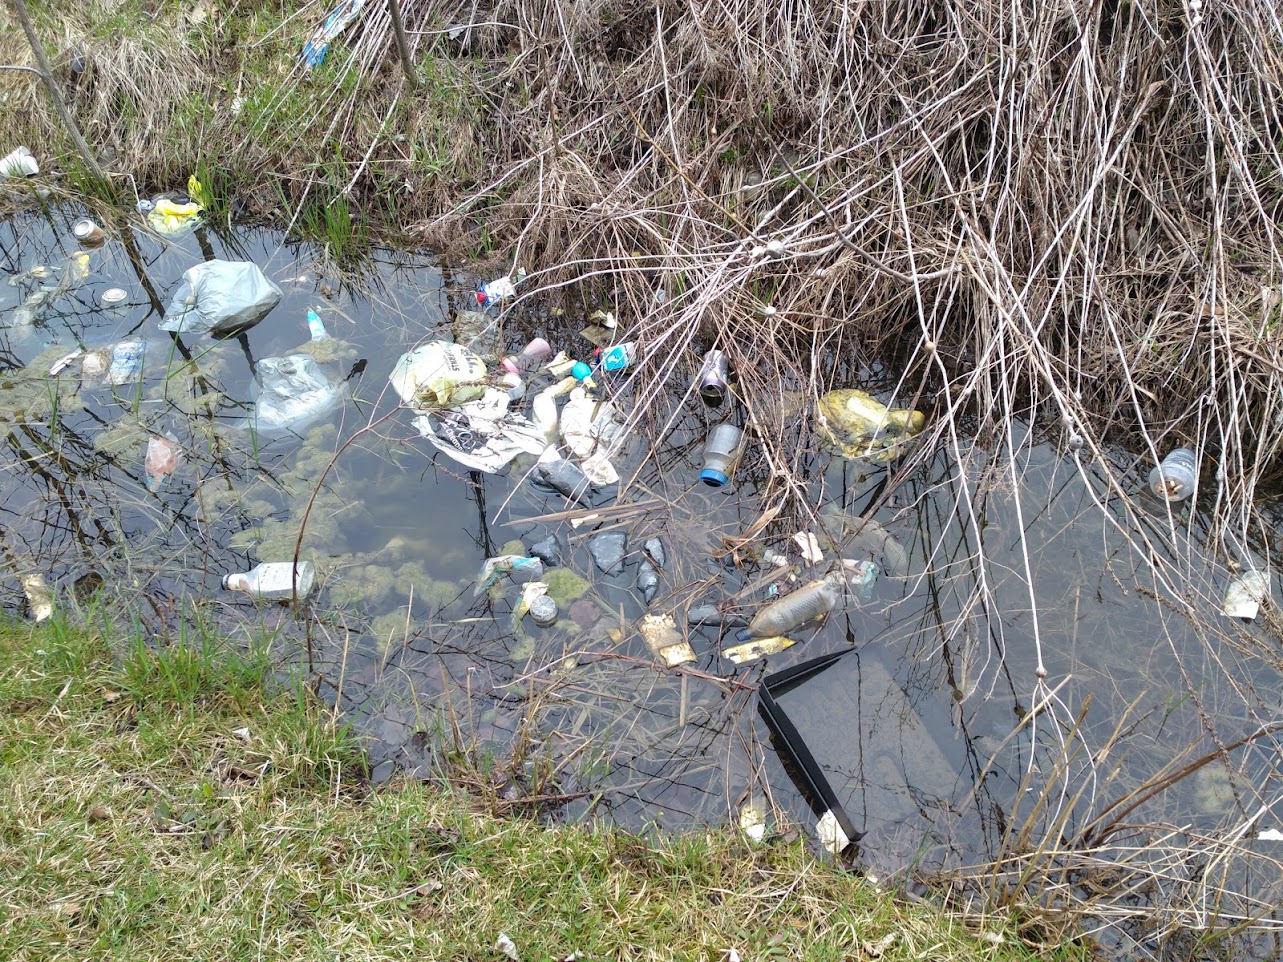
(548, 551)
(607, 551)
(655, 548)
(585, 613)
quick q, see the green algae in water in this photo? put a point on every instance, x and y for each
(564, 586)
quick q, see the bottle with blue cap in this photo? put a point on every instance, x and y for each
(722, 453)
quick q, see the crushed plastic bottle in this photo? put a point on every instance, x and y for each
(316, 326)
(274, 581)
(618, 357)
(807, 603)
(500, 289)
(530, 358)
(126, 362)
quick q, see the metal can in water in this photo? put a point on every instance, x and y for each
(126, 362)
(543, 611)
(114, 296)
(712, 378)
(88, 233)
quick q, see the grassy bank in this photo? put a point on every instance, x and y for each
(166, 805)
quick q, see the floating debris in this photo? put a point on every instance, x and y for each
(162, 460)
(757, 648)
(859, 426)
(1245, 594)
(661, 634)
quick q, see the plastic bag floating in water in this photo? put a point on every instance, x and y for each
(220, 297)
(294, 391)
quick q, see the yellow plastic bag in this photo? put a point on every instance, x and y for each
(170, 218)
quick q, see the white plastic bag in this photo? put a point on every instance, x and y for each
(294, 391)
(438, 374)
(482, 434)
(220, 297)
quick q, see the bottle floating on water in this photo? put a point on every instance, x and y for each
(795, 609)
(274, 580)
(316, 326)
(722, 453)
(1174, 479)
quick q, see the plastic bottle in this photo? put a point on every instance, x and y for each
(500, 289)
(1174, 478)
(316, 326)
(273, 581)
(618, 357)
(530, 358)
(793, 610)
(126, 362)
(722, 452)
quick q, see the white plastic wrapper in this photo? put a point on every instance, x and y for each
(482, 434)
(220, 297)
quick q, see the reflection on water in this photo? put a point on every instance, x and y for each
(1029, 660)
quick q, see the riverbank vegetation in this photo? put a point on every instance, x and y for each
(174, 803)
(1065, 213)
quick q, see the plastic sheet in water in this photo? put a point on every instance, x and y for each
(220, 297)
(294, 391)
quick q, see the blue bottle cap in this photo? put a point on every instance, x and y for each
(580, 370)
(714, 479)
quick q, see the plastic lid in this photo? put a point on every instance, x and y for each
(114, 295)
(714, 479)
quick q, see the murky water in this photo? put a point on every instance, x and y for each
(1024, 663)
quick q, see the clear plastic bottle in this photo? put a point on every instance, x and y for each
(722, 452)
(795, 609)
(1174, 478)
(273, 580)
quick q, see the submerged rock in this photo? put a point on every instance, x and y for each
(567, 479)
(647, 581)
(654, 548)
(548, 551)
(607, 550)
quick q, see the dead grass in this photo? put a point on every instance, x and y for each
(167, 809)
